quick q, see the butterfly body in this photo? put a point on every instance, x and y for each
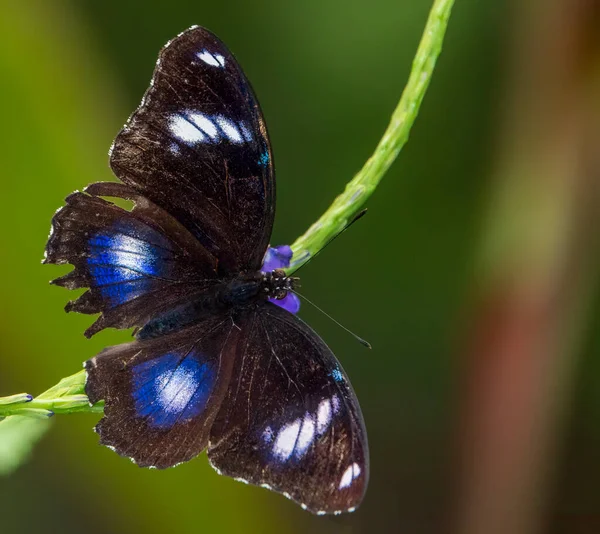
(242, 291)
(219, 363)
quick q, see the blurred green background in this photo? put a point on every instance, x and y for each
(327, 74)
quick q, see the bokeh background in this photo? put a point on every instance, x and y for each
(474, 275)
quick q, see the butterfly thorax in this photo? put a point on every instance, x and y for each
(243, 290)
(247, 288)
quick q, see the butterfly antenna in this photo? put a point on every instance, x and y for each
(350, 223)
(362, 341)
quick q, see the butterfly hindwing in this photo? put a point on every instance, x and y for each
(161, 395)
(198, 147)
(135, 263)
(291, 421)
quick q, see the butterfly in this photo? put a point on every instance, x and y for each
(216, 363)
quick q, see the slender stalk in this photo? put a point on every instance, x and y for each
(68, 395)
(65, 397)
(24, 420)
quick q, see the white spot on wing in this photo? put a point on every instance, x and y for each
(246, 132)
(176, 389)
(349, 475)
(306, 435)
(184, 130)
(205, 124)
(323, 416)
(286, 440)
(229, 129)
(192, 127)
(335, 402)
(209, 59)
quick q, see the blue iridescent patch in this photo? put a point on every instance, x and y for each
(123, 252)
(169, 389)
(336, 374)
(123, 266)
(125, 291)
(264, 159)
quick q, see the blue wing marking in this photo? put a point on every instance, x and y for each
(124, 266)
(170, 390)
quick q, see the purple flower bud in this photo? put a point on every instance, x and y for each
(290, 302)
(279, 258)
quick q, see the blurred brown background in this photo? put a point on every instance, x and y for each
(474, 275)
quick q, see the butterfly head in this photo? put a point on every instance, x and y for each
(276, 284)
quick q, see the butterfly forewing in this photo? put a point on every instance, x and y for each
(198, 147)
(290, 420)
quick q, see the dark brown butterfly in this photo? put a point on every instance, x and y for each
(216, 364)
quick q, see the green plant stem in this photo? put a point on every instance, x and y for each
(360, 188)
(68, 395)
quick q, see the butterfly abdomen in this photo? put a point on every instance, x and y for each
(237, 292)
(242, 290)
